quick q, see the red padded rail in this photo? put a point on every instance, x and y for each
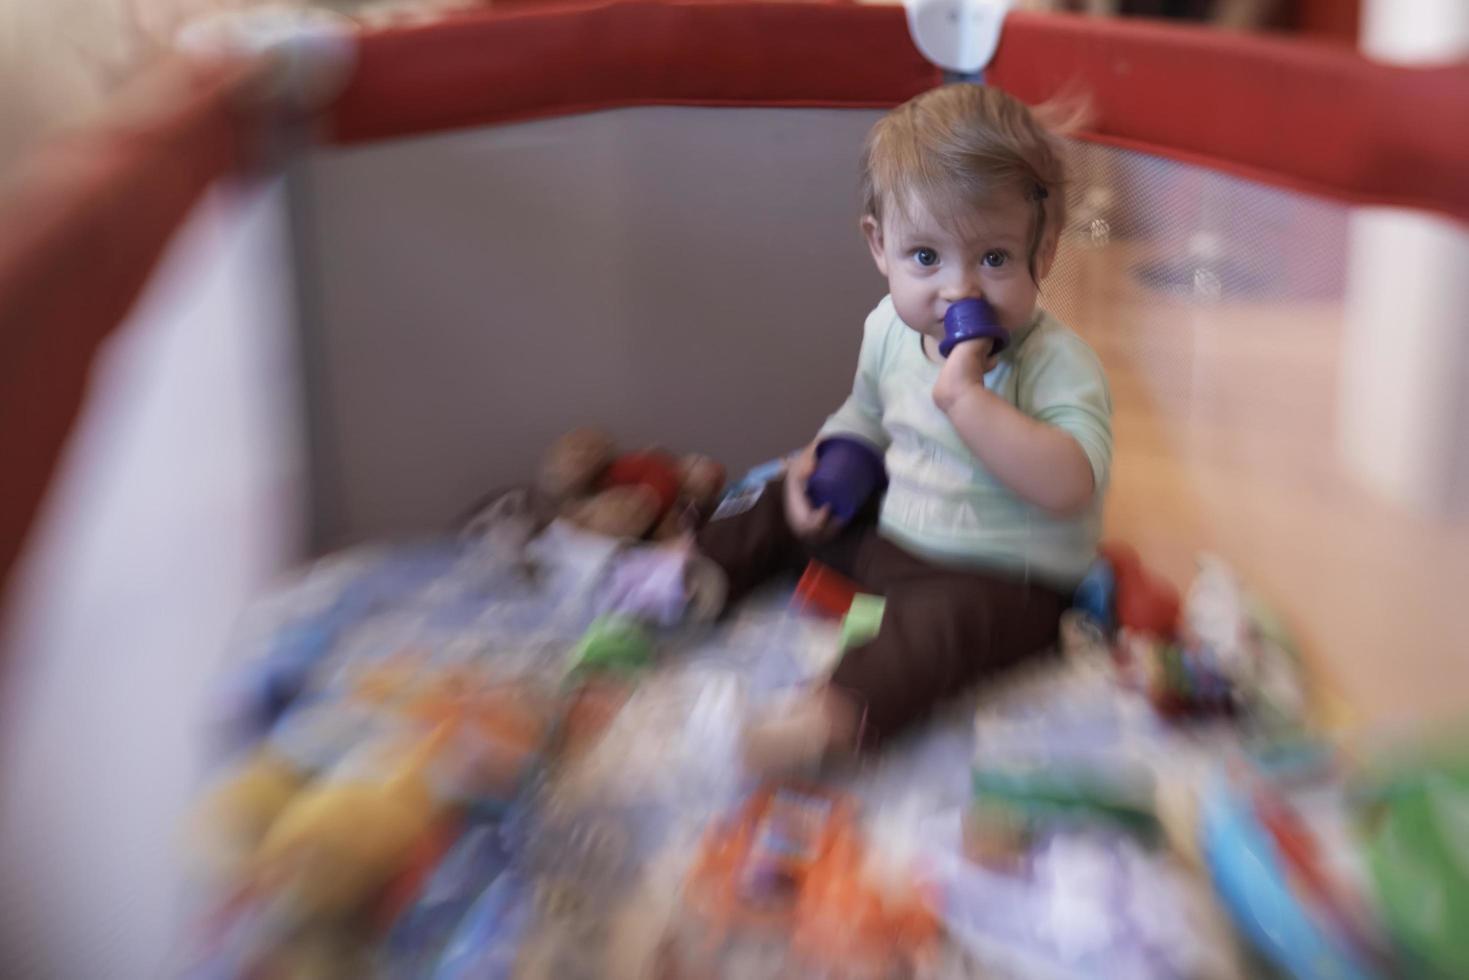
(488, 67)
(81, 229)
(1309, 116)
(1306, 115)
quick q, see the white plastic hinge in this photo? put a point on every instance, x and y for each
(959, 36)
(311, 52)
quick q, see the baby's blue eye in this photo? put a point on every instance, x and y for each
(994, 258)
(926, 257)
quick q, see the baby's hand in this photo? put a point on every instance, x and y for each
(807, 522)
(964, 369)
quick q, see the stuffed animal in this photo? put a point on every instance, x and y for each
(583, 480)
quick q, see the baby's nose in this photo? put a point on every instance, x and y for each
(966, 286)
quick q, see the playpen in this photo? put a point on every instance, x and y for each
(246, 326)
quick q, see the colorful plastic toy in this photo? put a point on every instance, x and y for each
(788, 870)
(497, 738)
(1180, 681)
(419, 935)
(1265, 872)
(1009, 808)
(1230, 655)
(752, 867)
(848, 472)
(863, 619)
(257, 696)
(972, 319)
(1097, 595)
(825, 592)
(1412, 820)
(742, 495)
(613, 643)
(791, 831)
(491, 734)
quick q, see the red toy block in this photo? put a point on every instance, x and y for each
(1145, 601)
(825, 592)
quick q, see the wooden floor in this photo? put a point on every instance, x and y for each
(1227, 428)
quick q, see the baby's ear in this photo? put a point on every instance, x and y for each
(872, 231)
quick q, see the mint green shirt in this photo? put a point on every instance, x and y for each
(942, 504)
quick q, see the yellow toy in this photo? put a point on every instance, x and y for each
(235, 816)
(338, 842)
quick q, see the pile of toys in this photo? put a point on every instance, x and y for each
(421, 805)
(326, 831)
(584, 480)
(784, 883)
(1346, 863)
(1183, 724)
(1218, 651)
(1151, 683)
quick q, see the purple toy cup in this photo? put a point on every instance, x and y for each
(847, 473)
(971, 319)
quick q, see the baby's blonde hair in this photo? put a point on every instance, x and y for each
(955, 148)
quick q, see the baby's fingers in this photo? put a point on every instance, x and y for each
(823, 525)
(821, 519)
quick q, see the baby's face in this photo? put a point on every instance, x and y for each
(931, 263)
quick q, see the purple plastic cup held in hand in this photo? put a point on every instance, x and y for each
(971, 319)
(847, 473)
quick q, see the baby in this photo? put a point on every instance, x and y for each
(997, 462)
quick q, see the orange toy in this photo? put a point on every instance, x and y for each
(500, 726)
(791, 863)
(507, 713)
(844, 922)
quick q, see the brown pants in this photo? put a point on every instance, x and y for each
(942, 628)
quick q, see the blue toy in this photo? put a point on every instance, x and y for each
(972, 319)
(1254, 882)
(1097, 595)
(848, 472)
